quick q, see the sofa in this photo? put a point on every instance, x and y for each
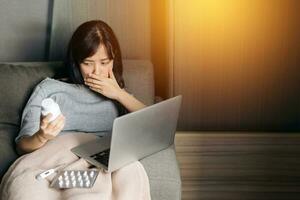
(17, 81)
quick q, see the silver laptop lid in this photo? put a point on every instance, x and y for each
(144, 132)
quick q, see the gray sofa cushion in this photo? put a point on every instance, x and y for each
(164, 176)
(139, 79)
(16, 85)
(7, 146)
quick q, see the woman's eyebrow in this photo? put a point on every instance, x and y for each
(88, 60)
(104, 59)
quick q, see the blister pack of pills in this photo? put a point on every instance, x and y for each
(74, 179)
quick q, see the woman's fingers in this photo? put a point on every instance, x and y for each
(45, 120)
(96, 86)
(90, 84)
(49, 130)
(105, 86)
(59, 126)
(92, 81)
(52, 124)
(99, 90)
(94, 77)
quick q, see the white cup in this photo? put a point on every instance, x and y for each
(50, 106)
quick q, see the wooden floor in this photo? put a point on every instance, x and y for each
(226, 165)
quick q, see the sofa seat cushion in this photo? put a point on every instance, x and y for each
(7, 146)
(164, 175)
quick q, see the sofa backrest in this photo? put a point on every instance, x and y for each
(139, 79)
(138, 76)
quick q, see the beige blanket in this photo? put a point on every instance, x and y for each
(19, 183)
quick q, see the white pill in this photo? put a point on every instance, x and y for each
(60, 183)
(91, 173)
(67, 183)
(87, 184)
(74, 183)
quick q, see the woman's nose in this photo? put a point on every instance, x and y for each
(97, 69)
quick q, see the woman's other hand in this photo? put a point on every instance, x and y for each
(105, 86)
(109, 87)
(49, 130)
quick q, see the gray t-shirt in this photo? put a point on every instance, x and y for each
(83, 109)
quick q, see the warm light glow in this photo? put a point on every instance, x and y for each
(237, 57)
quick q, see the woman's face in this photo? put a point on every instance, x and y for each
(98, 64)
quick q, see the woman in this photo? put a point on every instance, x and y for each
(94, 63)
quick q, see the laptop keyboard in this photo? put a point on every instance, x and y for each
(102, 157)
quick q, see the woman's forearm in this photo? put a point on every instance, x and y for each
(28, 144)
(129, 101)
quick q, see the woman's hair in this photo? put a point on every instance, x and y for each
(84, 43)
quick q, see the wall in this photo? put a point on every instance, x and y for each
(130, 20)
(24, 29)
(236, 63)
(159, 43)
(39, 30)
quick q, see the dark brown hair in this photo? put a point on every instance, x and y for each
(84, 43)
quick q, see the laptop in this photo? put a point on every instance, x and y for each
(134, 136)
